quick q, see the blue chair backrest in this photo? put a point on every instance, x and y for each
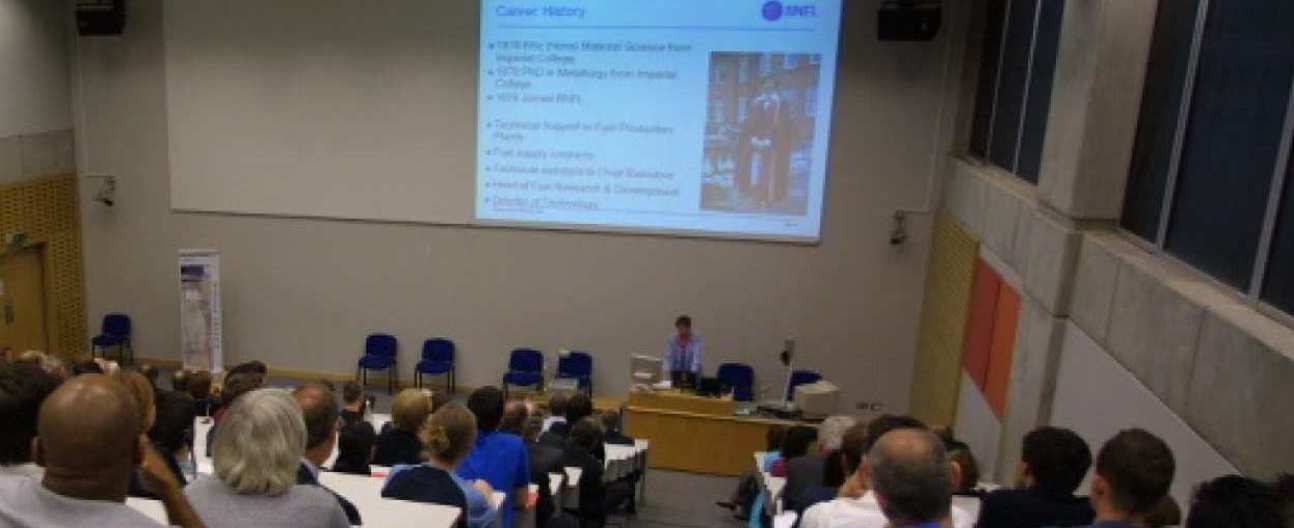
(380, 345)
(526, 360)
(736, 374)
(116, 324)
(802, 377)
(575, 364)
(438, 349)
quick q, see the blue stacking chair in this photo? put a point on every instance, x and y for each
(738, 378)
(437, 359)
(525, 368)
(379, 354)
(801, 377)
(116, 333)
(579, 367)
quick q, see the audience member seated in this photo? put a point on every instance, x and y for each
(1133, 473)
(847, 458)
(1235, 502)
(235, 385)
(857, 504)
(449, 435)
(597, 498)
(1052, 465)
(199, 387)
(180, 380)
(1285, 492)
(88, 366)
(258, 452)
(172, 432)
(319, 408)
(250, 367)
(90, 441)
(544, 460)
(960, 454)
(910, 478)
(22, 389)
(514, 417)
(614, 430)
(1166, 513)
(556, 411)
(578, 407)
(150, 373)
(498, 458)
(799, 440)
(399, 444)
(146, 406)
(748, 489)
(356, 438)
(816, 469)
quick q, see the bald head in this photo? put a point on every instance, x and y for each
(910, 475)
(319, 406)
(89, 426)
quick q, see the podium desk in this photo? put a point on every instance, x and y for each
(696, 434)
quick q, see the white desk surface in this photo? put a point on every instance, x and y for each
(785, 520)
(155, 510)
(573, 476)
(366, 494)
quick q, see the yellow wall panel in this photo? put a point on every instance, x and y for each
(937, 374)
(45, 210)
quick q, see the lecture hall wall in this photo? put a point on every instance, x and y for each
(302, 293)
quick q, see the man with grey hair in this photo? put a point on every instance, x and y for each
(911, 480)
(805, 473)
(257, 451)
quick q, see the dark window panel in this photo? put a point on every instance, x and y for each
(1161, 100)
(1278, 286)
(1233, 138)
(1038, 105)
(988, 68)
(1010, 92)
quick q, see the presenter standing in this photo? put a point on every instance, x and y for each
(683, 349)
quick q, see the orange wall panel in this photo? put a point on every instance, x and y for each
(1007, 317)
(980, 323)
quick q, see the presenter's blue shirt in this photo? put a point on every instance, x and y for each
(501, 460)
(681, 356)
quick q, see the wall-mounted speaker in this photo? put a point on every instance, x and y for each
(100, 17)
(909, 20)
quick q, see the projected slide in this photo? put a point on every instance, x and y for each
(692, 116)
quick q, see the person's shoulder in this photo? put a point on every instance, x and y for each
(310, 495)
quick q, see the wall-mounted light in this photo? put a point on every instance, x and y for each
(107, 193)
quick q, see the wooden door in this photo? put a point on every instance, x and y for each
(22, 301)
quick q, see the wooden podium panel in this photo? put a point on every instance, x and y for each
(678, 401)
(695, 434)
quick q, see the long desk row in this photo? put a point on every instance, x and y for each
(366, 491)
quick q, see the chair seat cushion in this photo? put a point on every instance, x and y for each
(522, 378)
(106, 340)
(428, 366)
(376, 362)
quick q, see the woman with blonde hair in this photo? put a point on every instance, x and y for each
(398, 443)
(257, 452)
(448, 436)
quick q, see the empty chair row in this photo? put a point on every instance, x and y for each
(525, 365)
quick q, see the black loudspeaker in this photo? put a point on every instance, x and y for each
(909, 20)
(100, 17)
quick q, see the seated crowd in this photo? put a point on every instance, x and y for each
(78, 441)
(900, 473)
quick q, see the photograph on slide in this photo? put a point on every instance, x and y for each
(759, 132)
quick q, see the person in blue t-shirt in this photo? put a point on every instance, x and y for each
(448, 436)
(498, 458)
